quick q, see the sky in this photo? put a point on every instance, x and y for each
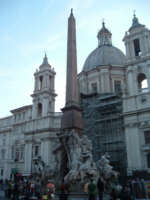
(29, 28)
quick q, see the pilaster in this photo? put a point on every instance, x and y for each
(28, 158)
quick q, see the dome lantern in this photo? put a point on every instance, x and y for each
(104, 36)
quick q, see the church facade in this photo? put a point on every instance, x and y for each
(29, 135)
(115, 98)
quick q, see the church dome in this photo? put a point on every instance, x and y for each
(105, 54)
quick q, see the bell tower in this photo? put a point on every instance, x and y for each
(44, 90)
(136, 100)
(137, 41)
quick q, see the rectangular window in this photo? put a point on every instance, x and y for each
(21, 153)
(3, 154)
(137, 50)
(2, 172)
(117, 86)
(36, 150)
(94, 87)
(147, 137)
(17, 155)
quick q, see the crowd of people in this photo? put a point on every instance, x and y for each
(133, 189)
(27, 188)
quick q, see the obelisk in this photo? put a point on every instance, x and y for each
(72, 115)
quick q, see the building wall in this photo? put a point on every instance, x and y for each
(30, 132)
(22, 136)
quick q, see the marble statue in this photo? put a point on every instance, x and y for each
(42, 169)
(107, 174)
(81, 164)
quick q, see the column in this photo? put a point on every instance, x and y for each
(28, 158)
(99, 82)
(142, 44)
(45, 106)
(87, 84)
(52, 83)
(127, 49)
(44, 81)
(130, 81)
(45, 150)
(131, 50)
(36, 83)
(105, 80)
(133, 151)
(52, 105)
(34, 109)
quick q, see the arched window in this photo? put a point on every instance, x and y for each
(148, 160)
(39, 110)
(40, 82)
(50, 106)
(142, 82)
(137, 50)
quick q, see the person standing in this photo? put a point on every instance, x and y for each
(126, 193)
(63, 191)
(100, 188)
(92, 190)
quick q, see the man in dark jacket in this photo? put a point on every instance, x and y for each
(100, 188)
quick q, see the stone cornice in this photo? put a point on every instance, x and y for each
(48, 138)
(44, 91)
(38, 131)
(51, 115)
(5, 130)
(139, 32)
(99, 68)
(131, 124)
(51, 71)
(139, 94)
(136, 112)
(23, 108)
(139, 60)
(34, 142)
(4, 118)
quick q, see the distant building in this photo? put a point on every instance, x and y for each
(115, 97)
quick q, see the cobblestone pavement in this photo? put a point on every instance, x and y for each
(2, 195)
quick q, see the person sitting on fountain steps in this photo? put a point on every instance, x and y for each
(92, 190)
